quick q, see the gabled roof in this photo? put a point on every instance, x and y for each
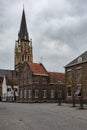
(37, 68)
(80, 59)
(12, 81)
(56, 77)
(23, 33)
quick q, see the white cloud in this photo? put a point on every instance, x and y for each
(57, 28)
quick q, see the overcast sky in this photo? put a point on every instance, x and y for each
(58, 29)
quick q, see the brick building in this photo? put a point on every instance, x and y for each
(37, 85)
(33, 80)
(56, 84)
(76, 79)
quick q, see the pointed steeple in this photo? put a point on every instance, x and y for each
(23, 33)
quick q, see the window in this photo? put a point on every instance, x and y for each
(69, 74)
(29, 93)
(21, 94)
(25, 81)
(78, 91)
(36, 80)
(52, 93)
(44, 93)
(25, 57)
(44, 80)
(25, 93)
(22, 57)
(79, 74)
(69, 91)
(15, 89)
(8, 89)
(36, 93)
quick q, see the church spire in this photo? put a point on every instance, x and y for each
(23, 33)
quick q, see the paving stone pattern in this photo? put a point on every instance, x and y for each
(41, 116)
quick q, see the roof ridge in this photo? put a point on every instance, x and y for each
(74, 61)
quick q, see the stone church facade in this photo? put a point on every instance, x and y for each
(23, 46)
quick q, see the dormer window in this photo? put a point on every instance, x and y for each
(44, 80)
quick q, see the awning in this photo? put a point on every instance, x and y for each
(78, 92)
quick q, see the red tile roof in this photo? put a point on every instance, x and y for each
(37, 68)
(55, 77)
(10, 81)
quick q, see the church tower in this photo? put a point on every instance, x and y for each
(23, 46)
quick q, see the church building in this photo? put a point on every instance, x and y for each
(23, 46)
(35, 83)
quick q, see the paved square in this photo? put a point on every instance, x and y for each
(41, 116)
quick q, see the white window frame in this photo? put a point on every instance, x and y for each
(79, 77)
(25, 93)
(52, 93)
(21, 94)
(79, 86)
(69, 86)
(29, 93)
(44, 93)
(36, 93)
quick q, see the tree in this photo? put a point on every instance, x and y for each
(59, 92)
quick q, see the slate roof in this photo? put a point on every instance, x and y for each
(37, 68)
(55, 77)
(4, 72)
(23, 33)
(77, 61)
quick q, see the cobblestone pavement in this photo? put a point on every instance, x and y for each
(41, 116)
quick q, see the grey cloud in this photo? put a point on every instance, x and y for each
(57, 28)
